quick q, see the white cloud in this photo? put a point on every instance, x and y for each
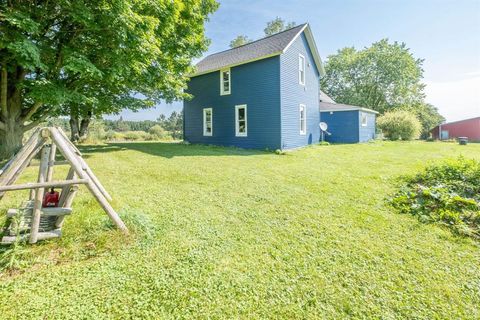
(455, 100)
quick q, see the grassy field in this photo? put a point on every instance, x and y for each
(228, 233)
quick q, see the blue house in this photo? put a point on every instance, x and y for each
(346, 123)
(264, 94)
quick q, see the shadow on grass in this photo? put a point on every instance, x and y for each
(170, 150)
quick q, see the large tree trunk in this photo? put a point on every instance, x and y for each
(79, 129)
(10, 139)
(15, 117)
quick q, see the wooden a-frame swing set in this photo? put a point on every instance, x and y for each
(32, 221)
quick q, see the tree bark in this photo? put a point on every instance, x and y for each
(74, 128)
(10, 139)
(79, 128)
(84, 126)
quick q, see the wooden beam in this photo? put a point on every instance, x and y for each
(49, 212)
(51, 162)
(56, 163)
(41, 236)
(35, 185)
(66, 196)
(85, 166)
(67, 152)
(37, 205)
(21, 160)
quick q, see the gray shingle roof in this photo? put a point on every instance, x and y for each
(255, 50)
(327, 106)
(325, 98)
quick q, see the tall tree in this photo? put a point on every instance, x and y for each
(428, 115)
(90, 57)
(277, 25)
(383, 77)
(239, 41)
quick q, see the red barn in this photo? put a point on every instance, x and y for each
(469, 128)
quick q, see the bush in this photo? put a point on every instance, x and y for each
(400, 124)
(136, 136)
(96, 132)
(447, 193)
(158, 132)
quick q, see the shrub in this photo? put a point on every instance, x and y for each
(399, 124)
(96, 132)
(158, 132)
(136, 135)
(447, 193)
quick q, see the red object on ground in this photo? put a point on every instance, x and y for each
(469, 128)
(51, 199)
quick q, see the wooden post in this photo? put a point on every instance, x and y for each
(37, 206)
(85, 165)
(51, 161)
(67, 196)
(65, 190)
(21, 160)
(43, 185)
(68, 153)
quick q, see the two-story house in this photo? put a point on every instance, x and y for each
(264, 94)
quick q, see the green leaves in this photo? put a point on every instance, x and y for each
(26, 53)
(102, 56)
(81, 66)
(447, 193)
(381, 77)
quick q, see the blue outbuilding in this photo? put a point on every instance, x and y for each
(260, 95)
(346, 123)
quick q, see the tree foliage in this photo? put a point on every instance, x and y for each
(93, 57)
(383, 77)
(239, 41)
(277, 25)
(400, 124)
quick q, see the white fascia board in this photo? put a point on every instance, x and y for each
(350, 109)
(235, 64)
(312, 45)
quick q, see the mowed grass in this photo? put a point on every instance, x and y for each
(229, 233)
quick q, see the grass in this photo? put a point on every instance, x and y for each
(230, 233)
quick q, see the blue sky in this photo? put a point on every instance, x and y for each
(444, 33)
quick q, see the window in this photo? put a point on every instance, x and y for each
(364, 119)
(225, 82)
(241, 120)
(303, 119)
(301, 69)
(207, 122)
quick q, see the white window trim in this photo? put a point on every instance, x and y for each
(205, 133)
(222, 92)
(304, 119)
(237, 127)
(362, 115)
(300, 80)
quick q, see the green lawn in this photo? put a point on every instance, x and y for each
(229, 233)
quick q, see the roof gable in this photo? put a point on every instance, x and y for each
(260, 49)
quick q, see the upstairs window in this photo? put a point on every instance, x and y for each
(207, 122)
(225, 82)
(364, 119)
(301, 69)
(303, 119)
(241, 124)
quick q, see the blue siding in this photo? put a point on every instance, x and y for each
(345, 126)
(367, 133)
(293, 94)
(256, 84)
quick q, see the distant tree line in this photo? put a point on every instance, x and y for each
(163, 127)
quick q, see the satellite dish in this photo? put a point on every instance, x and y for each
(323, 126)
